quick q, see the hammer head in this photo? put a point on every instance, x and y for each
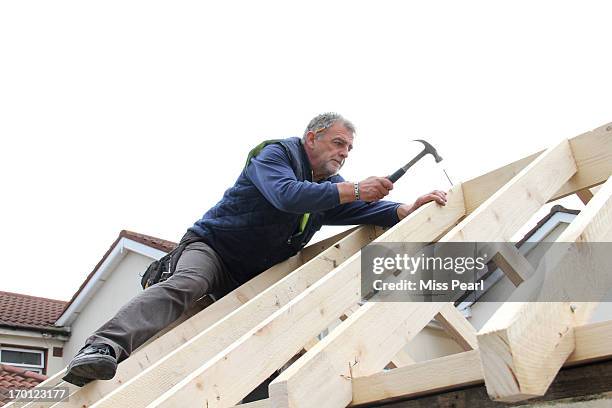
(431, 150)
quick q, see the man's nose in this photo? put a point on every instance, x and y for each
(344, 153)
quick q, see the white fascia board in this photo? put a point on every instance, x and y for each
(32, 334)
(143, 249)
(107, 267)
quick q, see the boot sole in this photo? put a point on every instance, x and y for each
(93, 368)
(78, 381)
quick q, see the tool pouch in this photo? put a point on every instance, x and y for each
(163, 268)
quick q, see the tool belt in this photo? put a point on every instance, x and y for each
(163, 268)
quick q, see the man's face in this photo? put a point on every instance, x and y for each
(328, 150)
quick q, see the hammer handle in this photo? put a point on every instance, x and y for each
(402, 170)
(395, 176)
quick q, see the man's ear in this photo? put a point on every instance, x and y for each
(310, 138)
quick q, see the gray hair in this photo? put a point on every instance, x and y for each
(324, 121)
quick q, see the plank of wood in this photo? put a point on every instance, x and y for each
(584, 195)
(402, 358)
(421, 377)
(524, 344)
(177, 363)
(592, 152)
(364, 343)
(361, 345)
(464, 369)
(322, 378)
(516, 267)
(226, 378)
(457, 327)
(231, 374)
(312, 342)
(587, 386)
(315, 249)
(218, 311)
(498, 218)
(503, 213)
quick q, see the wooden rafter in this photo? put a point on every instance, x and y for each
(496, 220)
(457, 327)
(464, 369)
(277, 338)
(592, 152)
(524, 345)
(178, 363)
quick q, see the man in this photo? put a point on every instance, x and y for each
(288, 189)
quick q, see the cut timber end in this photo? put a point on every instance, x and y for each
(524, 345)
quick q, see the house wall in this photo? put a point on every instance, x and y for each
(27, 339)
(122, 284)
(430, 343)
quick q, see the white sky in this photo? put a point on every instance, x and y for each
(138, 115)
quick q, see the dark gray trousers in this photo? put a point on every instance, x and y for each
(199, 272)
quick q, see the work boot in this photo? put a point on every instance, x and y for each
(93, 362)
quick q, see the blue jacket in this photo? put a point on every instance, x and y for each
(257, 222)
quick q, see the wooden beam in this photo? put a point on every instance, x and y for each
(464, 369)
(586, 386)
(315, 249)
(361, 345)
(422, 377)
(524, 345)
(516, 267)
(496, 220)
(401, 359)
(312, 342)
(228, 316)
(503, 213)
(457, 327)
(592, 152)
(231, 374)
(178, 363)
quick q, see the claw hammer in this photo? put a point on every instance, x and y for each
(428, 149)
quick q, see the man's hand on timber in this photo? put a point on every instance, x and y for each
(370, 190)
(405, 209)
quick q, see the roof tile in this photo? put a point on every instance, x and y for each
(27, 311)
(15, 377)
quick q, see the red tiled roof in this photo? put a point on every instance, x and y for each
(14, 377)
(30, 312)
(153, 242)
(156, 243)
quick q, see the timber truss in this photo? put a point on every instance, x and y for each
(215, 357)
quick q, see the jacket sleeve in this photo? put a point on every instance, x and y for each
(382, 213)
(273, 176)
